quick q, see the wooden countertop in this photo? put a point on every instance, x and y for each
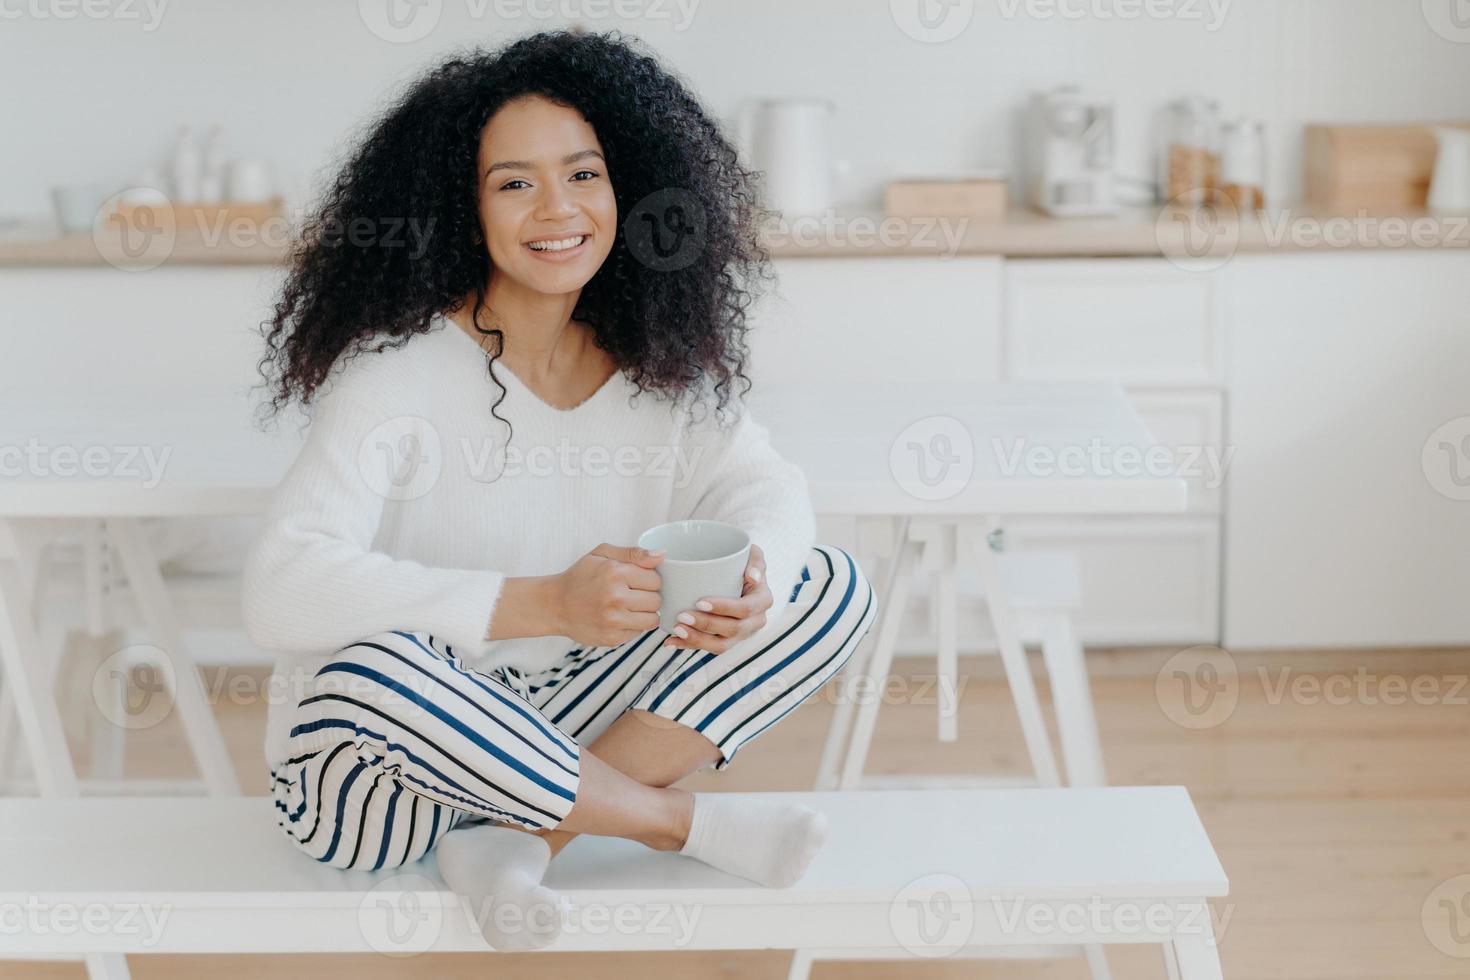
(1022, 233)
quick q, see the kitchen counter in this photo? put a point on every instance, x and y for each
(1022, 233)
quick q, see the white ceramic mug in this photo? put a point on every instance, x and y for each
(701, 558)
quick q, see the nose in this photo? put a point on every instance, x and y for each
(555, 202)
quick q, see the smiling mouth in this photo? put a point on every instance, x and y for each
(554, 246)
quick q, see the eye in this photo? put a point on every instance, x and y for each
(516, 181)
(589, 173)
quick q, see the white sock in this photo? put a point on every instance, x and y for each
(768, 842)
(498, 871)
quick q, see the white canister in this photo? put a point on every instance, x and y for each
(250, 182)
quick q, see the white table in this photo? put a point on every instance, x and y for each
(65, 471)
(217, 464)
(944, 459)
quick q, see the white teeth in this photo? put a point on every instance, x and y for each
(558, 246)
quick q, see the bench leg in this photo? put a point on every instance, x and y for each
(107, 966)
(27, 678)
(801, 965)
(1171, 963)
(1097, 961)
(1197, 955)
(839, 730)
(200, 728)
(1013, 658)
(1071, 696)
(946, 613)
(891, 614)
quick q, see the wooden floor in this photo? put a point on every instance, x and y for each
(1337, 792)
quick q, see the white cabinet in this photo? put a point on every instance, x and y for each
(1160, 331)
(866, 321)
(1136, 321)
(1348, 520)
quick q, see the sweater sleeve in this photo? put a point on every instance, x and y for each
(739, 478)
(313, 582)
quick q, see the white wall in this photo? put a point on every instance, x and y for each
(100, 98)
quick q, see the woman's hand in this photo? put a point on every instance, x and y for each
(718, 624)
(609, 596)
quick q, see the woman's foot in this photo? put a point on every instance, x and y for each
(497, 871)
(770, 843)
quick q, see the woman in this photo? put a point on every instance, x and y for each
(537, 249)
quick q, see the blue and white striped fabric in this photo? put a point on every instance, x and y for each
(398, 741)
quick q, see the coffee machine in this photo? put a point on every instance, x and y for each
(1072, 154)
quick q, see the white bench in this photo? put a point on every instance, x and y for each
(904, 873)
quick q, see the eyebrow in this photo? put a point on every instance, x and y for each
(570, 158)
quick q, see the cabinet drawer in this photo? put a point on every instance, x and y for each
(1137, 321)
(1192, 425)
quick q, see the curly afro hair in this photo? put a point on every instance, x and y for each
(673, 321)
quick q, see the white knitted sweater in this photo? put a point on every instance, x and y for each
(406, 507)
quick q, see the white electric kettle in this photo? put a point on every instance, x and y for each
(790, 141)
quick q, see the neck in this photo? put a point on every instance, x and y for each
(539, 338)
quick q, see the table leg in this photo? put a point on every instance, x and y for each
(840, 729)
(141, 568)
(1013, 658)
(946, 614)
(27, 676)
(881, 662)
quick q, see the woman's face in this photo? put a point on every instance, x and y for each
(543, 180)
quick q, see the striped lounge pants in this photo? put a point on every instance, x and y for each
(397, 741)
